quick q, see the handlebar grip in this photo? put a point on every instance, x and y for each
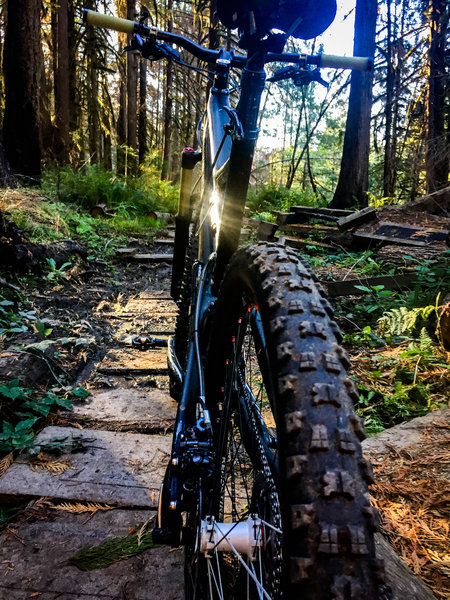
(358, 63)
(91, 17)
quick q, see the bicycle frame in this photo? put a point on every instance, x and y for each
(228, 147)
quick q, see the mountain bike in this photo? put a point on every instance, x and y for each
(266, 487)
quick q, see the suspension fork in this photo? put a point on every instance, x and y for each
(240, 163)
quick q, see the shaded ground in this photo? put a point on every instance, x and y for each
(67, 506)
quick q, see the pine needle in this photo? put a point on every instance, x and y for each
(5, 463)
(79, 508)
(53, 466)
(111, 551)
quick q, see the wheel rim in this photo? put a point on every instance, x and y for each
(247, 469)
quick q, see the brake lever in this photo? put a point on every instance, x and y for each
(300, 77)
(151, 49)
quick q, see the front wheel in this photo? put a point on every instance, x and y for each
(288, 457)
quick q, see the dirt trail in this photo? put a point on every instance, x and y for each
(104, 482)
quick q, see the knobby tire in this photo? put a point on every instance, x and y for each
(289, 450)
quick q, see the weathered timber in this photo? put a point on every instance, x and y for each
(266, 230)
(348, 287)
(299, 244)
(365, 239)
(436, 203)
(306, 228)
(126, 252)
(151, 258)
(332, 212)
(357, 218)
(164, 241)
(404, 234)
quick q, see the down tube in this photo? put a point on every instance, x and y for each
(240, 165)
(214, 140)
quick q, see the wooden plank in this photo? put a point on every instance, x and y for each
(333, 212)
(357, 218)
(266, 230)
(153, 257)
(347, 287)
(365, 238)
(299, 244)
(305, 228)
(297, 217)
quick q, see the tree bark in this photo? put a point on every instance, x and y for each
(437, 154)
(21, 134)
(353, 180)
(132, 91)
(143, 146)
(168, 102)
(61, 80)
(388, 167)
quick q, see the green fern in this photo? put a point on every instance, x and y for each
(400, 321)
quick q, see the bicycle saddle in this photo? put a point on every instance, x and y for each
(303, 19)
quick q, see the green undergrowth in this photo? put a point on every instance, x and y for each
(22, 408)
(92, 185)
(43, 220)
(263, 199)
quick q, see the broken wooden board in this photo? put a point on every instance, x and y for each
(357, 218)
(348, 286)
(123, 469)
(402, 235)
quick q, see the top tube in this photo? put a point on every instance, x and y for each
(210, 56)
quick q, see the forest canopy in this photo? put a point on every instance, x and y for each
(72, 97)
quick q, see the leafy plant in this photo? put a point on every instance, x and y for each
(399, 321)
(17, 437)
(55, 272)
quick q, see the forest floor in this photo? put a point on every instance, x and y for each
(92, 475)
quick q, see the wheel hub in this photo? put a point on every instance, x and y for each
(243, 537)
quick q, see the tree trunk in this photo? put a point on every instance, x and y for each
(122, 117)
(168, 102)
(388, 167)
(353, 180)
(143, 147)
(21, 71)
(437, 155)
(61, 80)
(132, 92)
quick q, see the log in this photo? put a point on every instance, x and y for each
(357, 218)
(402, 581)
(29, 255)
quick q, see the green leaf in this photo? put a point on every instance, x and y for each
(24, 425)
(6, 303)
(64, 403)
(11, 393)
(80, 392)
(39, 346)
(363, 288)
(51, 263)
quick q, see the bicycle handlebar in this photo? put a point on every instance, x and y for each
(239, 60)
